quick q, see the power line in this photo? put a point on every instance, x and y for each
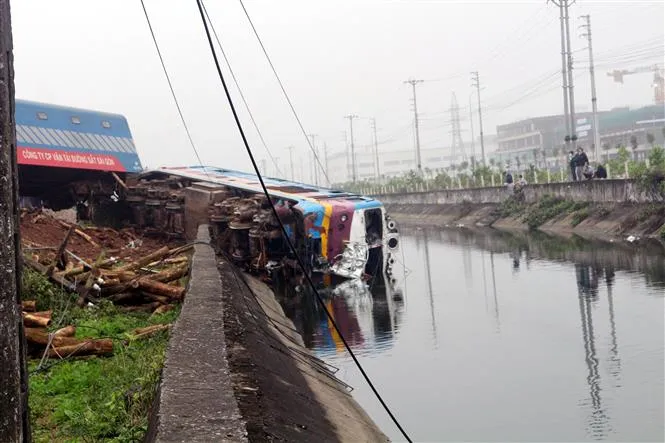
(476, 82)
(242, 96)
(413, 84)
(281, 85)
(287, 238)
(175, 99)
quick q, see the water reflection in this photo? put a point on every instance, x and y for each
(430, 293)
(367, 314)
(491, 338)
(587, 285)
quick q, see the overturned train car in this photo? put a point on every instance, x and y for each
(335, 233)
(72, 157)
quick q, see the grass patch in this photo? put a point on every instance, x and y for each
(579, 217)
(549, 207)
(601, 211)
(95, 398)
(649, 211)
(510, 207)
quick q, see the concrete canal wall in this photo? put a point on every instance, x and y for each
(196, 401)
(237, 370)
(596, 191)
(605, 208)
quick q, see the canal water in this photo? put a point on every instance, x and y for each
(504, 337)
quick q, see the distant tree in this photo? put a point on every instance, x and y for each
(464, 165)
(492, 162)
(633, 142)
(650, 139)
(622, 154)
(518, 162)
(634, 145)
(657, 158)
(427, 171)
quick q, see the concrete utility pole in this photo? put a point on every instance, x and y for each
(377, 167)
(315, 155)
(413, 84)
(476, 82)
(473, 141)
(594, 101)
(14, 417)
(264, 167)
(571, 93)
(325, 161)
(566, 73)
(293, 174)
(353, 149)
(277, 172)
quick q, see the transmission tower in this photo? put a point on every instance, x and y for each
(457, 146)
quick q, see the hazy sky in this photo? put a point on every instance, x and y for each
(335, 58)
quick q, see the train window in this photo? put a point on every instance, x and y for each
(106, 124)
(42, 116)
(76, 120)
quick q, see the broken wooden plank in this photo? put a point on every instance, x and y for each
(60, 252)
(150, 330)
(89, 347)
(138, 264)
(159, 288)
(33, 320)
(59, 279)
(80, 233)
(29, 305)
(67, 331)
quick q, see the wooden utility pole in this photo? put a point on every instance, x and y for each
(14, 425)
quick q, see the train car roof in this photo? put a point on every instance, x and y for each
(67, 137)
(278, 187)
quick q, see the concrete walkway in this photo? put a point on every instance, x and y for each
(196, 402)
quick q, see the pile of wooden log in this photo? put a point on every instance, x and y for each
(152, 283)
(62, 342)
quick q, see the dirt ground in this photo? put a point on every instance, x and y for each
(41, 230)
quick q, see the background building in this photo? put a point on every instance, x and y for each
(540, 141)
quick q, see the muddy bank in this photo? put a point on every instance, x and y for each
(606, 221)
(284, 393)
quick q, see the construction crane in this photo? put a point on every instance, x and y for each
(658, 74)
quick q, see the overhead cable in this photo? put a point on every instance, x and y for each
(288, 99)
(287, 238)
(242, 96)
(175, 98)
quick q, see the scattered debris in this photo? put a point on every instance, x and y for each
(98, 263)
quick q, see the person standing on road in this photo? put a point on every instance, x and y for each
(571, 164)
(581, 162)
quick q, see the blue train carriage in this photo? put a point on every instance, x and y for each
(347, 235)
(67, 154)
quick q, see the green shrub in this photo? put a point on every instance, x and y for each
(579, 217)
(510, 207)
(649, 211)
(549, 207)
(602, 211)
